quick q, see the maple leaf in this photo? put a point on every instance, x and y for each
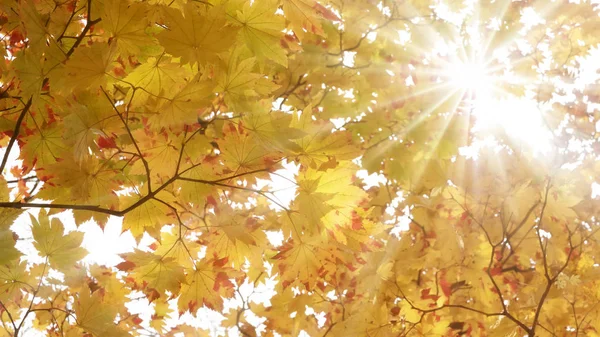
(126, 24)
(185, 250)
(96, 316)
(205, 284)
(31, 70)
(146, 218)
(239, 81)
(272, 130)
(303, 15)
(324, 205)
(13, 277)
(153, 273)
(234, 235)
(7, 247)
(242, 153)
(262, 30)
(196, 35)
(36, 30)
(62, 250)
(85, 69)
(185, 105)
(86, 121)
(86, 181)
(302, 261)
(157, 76)
(319, 144)
(43, 148)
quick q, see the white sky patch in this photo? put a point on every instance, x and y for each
(275, 238)
(404, 37)
(22, 227)
(530, 18)
(339, 122)
(545, 234)
(371, 36)
(282, 184)
(595, 190)
(348, 58)
(371, 180)
(402, 222)
(279, 104)
(472, 151)
(493, 114)
(104, 246)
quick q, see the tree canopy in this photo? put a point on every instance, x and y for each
(381, 168)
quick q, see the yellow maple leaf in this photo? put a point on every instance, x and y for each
(149, 217)
(13, 277)
(62, 250)
(241, 152)
(85, 121)
(85, 182)
(262, 30)
(87, 67)
(204, 285)
(96, 316)
(234, 235)
(154, 273)
(303, 15)
(31, 72)
(196, 35)
(301, 262)
(327, 199)
(184, 106)
(44, 147)
(8, 252)
(239, 82)
(126, 24)
(158, 76)
(320, 145)
(272, 130)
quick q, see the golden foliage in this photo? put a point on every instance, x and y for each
(210, 128)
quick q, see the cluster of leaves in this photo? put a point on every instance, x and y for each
(171, 114)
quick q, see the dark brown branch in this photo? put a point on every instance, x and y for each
(96, 208)
(87, 27)
(516, 269)
(137, 148)
(15, 134)
(514, 232)
(93, 208)
(329, 329)
(217, 183)
(12, 321)
(14, 181)
(549, 280)
(62, 34)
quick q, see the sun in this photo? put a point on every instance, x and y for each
(497, 111)
(470, 76)
(472, 79)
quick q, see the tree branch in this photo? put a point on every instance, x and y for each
(15, 134)
(87, 27)
(137, 148)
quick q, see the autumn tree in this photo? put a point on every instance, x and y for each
(441, 159)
